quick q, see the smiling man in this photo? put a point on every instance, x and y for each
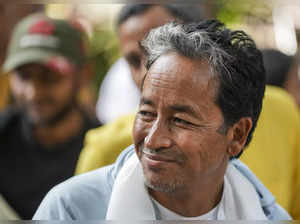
(201, 98)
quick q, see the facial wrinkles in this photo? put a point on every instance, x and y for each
(167, 83)
(162, 85)
(165, 76)
(179, 79)
(195, 70)
(159, 80)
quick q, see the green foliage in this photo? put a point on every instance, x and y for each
(104, 50)
(238, 11)
(228, 11)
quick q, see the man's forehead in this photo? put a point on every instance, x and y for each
(176, 67)
(180, 76)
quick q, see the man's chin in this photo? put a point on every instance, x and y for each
(40, 118)
(161, 181)
(160, 185)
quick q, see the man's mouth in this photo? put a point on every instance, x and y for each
(163, 156)
(157, 157)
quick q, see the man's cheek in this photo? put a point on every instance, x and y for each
(138, 130)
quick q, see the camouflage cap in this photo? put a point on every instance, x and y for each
(56, 43)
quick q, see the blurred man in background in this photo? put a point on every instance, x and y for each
(277, 65)
(42, 133)
(292, 84)
(10, 14)
(283, 71)
(120, 83)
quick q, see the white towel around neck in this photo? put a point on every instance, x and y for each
(130, 199)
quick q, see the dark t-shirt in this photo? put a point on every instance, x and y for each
(27, 169)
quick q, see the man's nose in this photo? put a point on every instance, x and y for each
(158, 136)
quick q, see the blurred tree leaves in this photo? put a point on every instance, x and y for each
(237, 11)
(104, 51)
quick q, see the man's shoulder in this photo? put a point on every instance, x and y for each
(87, 181)
(84, 196)
(103, 177)
(272, 210)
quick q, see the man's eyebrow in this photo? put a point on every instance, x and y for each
(146, 101)
(185, 109)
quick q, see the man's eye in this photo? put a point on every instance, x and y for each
(146, 113)
(181, 121)
(23, 76)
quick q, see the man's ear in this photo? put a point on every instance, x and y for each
(238, 135)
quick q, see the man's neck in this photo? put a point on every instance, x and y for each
(194, 202)
(61, 132)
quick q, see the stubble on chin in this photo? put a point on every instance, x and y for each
(169, 184)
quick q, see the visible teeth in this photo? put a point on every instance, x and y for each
(147, 151)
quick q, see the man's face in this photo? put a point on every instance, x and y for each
(43, 94)
(177, 131)
(133, 30)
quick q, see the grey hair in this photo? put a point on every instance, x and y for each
(198, 44)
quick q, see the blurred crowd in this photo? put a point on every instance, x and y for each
(53, 124)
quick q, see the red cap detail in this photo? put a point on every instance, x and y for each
(76, 25)
(61, 65)
(42, 27)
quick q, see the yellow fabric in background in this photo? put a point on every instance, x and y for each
(4, 91)
(103, 145)
(273, 154)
